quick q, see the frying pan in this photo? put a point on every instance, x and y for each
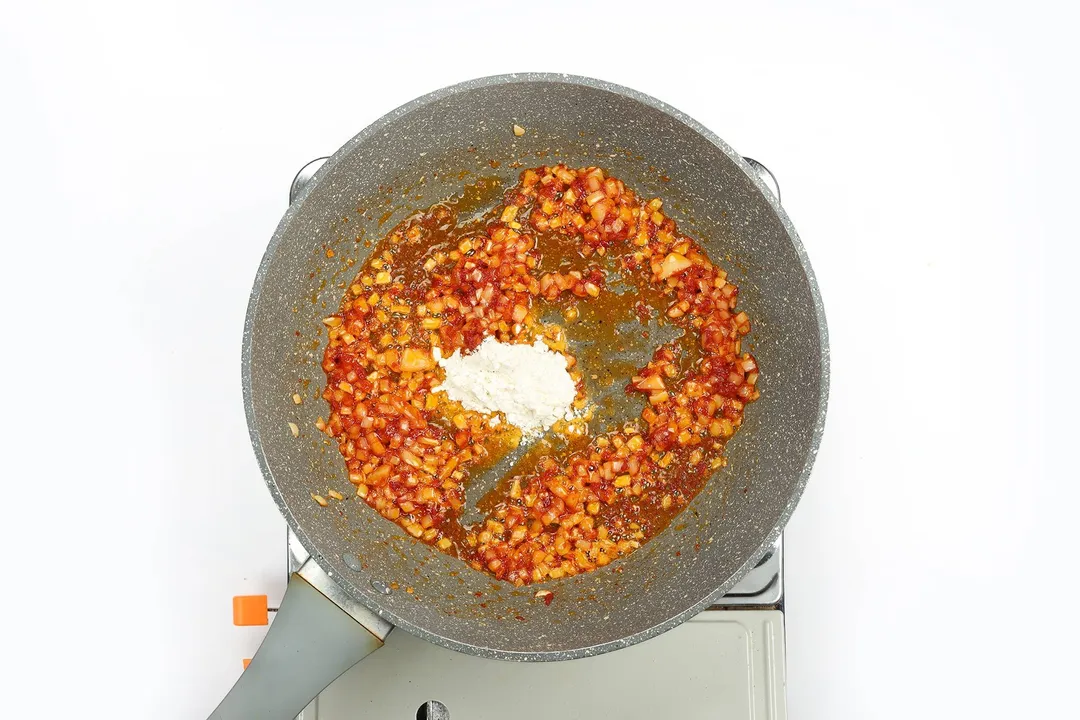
(365, 575)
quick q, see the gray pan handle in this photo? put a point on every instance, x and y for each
(317, 634)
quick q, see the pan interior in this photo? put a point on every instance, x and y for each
(426, 152)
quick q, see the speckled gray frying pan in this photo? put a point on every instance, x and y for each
(422, 153)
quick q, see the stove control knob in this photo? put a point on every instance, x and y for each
(250, 610)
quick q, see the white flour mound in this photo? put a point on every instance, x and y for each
(528, 384)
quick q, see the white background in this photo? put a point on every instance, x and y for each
(926, 153)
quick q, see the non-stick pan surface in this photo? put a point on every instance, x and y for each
(425, 152)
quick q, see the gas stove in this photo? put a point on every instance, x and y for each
(727, 662)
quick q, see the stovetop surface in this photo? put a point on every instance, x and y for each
(724, 665)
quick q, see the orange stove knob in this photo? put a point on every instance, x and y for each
(250, 610)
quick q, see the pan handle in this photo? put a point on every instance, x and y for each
(763, 173)
(318, 633)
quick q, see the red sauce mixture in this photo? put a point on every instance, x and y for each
(557, 245)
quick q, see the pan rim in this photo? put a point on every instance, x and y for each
(369, 599)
